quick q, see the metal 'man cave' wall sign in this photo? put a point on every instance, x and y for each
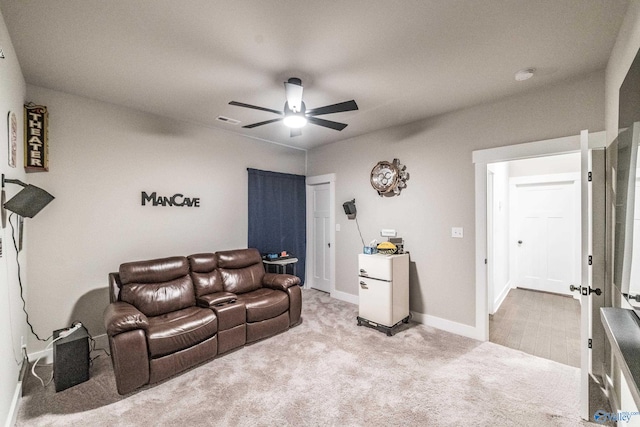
(36, 144)
(175, 200)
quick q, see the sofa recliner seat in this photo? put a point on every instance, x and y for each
(180, 329)
(167, 315)
(264, 303)
(273, 302)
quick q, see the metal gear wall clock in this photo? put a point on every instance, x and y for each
(388, 179)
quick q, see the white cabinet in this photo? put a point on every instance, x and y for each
(383, 285)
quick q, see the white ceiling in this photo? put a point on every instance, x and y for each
(401, 60)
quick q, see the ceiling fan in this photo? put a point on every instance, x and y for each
(295, 114)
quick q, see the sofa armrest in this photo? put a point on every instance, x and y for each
(114, 287)
(121, 317)
(280, 282)
(211, 300)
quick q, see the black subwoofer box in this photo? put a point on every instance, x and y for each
(70, 359)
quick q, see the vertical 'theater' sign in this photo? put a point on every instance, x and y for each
(36, 147)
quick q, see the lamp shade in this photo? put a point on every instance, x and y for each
(29, 201)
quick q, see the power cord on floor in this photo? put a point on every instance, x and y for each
(33, 367)
(92, 348)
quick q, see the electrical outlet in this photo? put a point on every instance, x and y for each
(457, 232)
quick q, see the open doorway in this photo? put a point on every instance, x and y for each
(592, 173)
(533, 244)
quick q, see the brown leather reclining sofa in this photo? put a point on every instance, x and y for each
(167, 315)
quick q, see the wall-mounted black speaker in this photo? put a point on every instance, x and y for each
(350, 208)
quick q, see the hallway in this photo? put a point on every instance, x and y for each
(539, 323)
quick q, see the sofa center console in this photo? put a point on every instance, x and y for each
(232, 328)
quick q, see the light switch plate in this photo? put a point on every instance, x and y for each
(337, 227)
(457, 232)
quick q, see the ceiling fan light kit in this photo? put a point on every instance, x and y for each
(295, 121)
(293, 91)
(295, 115)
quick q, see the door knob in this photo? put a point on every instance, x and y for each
(573, 288)
(363, 285)
(596, 291)
(519, 242)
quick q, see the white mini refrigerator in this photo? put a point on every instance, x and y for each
(383, 291)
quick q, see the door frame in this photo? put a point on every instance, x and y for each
(481, 158)
(312, 181)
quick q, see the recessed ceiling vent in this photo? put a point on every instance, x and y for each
(228, 120)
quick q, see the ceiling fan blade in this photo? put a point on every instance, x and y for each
(255, 107)
(296, 132)
(326, 123)
(266, 122)
(335, 108)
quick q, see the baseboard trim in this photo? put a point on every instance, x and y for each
(425, 319)
(46, 356)
(12, 416)
(343, 296)
(498, 301)
(447, 325)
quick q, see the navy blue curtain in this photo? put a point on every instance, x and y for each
(277, 214)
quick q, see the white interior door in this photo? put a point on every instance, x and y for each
(321, 228)
(547, 221)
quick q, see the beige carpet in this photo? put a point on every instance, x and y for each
(330, 372)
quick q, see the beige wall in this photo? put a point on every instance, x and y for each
(440, 192)
(12, 323)
(101, 158)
